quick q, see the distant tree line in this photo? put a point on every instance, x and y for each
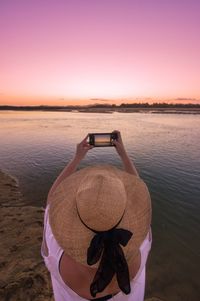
(146, 105)
(111, 106)
(159, 105)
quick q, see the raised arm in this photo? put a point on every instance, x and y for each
(81, 150)
(127, 162)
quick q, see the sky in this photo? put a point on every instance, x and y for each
(60, 52)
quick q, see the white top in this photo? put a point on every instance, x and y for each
(62, 292)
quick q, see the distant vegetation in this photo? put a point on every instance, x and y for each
(146, 105)
(99, 106)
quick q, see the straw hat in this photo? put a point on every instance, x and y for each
(99, 198)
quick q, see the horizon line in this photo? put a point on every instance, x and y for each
(123, 104)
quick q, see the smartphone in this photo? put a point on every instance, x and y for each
(102, 139)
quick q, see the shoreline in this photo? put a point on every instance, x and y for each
(149, 110)
(23, 273)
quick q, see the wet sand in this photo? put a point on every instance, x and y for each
(23, 274)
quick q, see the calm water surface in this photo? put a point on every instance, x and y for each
(35, 146)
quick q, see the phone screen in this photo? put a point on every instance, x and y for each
(102, 140)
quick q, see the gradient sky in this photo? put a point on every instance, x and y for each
(87, 51)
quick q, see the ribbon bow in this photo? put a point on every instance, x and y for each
(112, 260)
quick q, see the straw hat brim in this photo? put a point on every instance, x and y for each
(74, 237)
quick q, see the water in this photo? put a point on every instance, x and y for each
(35, 147)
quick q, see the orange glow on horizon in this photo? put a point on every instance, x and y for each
(51, 101)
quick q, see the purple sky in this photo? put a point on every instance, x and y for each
(60, 52)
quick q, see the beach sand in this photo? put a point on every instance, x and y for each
(23, 274)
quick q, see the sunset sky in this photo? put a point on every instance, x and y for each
(99, 51)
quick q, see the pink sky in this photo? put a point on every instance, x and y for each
(68, 52)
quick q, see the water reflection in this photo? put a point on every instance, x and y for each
(35, 146)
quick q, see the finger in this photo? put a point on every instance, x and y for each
(118, 134)
(115, 142)
(85, 139)
(88, 146)
(116, 131)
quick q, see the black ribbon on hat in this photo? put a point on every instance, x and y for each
(113, 261)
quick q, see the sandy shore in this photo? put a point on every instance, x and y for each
(23, 274)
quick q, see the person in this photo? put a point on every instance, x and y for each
(97, 230)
